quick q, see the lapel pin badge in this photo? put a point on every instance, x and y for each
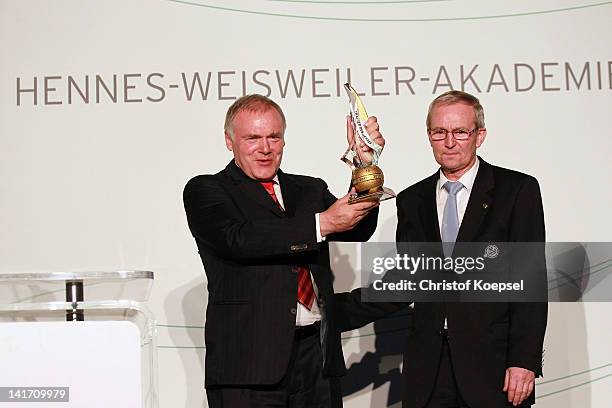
(485, 205)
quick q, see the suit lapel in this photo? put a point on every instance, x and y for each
(252, 189)
(291, 193)
(479, 203)
(428, 210)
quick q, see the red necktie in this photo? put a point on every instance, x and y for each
(305, 294)
(269, 186)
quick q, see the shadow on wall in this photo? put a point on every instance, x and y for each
(383, 365)
(566, 345)
(193, 298)
(568, 272)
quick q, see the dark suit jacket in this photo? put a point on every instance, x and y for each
(248, 247)
(484, 338)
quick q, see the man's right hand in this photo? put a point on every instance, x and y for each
(342, 216)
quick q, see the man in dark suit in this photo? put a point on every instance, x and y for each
(476, 355)
(263, 238)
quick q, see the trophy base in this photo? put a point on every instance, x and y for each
(381, 195)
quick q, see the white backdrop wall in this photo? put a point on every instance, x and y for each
(107, 108)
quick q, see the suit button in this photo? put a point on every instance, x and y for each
(300, 247)
(293, 310)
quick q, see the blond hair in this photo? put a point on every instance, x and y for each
(251, 103)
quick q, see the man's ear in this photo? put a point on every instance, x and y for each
(228, 142)
(481, 136)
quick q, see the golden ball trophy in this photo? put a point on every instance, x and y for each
(367, 177)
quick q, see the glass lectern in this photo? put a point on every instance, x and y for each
(86, 339)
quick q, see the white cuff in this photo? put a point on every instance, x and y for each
(320, 238)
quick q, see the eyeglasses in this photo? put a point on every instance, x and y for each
(458, 134)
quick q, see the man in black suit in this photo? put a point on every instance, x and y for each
(263, 238)
(476, 355)
(491, 352)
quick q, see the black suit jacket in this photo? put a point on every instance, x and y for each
(248, 247)
(484, 338)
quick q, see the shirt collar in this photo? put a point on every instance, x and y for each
(467, 179)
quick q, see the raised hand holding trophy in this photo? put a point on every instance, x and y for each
(367, 177)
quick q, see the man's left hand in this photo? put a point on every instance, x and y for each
(519, 384)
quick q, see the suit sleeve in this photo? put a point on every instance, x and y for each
(528, 319)
(352, 312)
(216, 222)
